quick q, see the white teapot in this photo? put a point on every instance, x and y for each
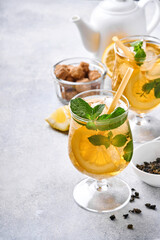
(115, 17)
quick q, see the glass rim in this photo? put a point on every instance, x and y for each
(96, 61)
(126, 39)
(102, 121)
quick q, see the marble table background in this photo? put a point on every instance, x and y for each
(36, 176)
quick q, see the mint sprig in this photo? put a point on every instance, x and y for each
(118, 141)
(154, 84)
(140, 54)
(96, 121)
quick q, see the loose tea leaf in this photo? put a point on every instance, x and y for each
(112, 217)
(130, 226)
(150, 167)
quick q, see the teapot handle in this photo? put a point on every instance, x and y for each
(156, 16)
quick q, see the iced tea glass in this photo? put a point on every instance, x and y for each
(143, 88)
(101, 153)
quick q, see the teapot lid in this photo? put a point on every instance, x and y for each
(118, 6)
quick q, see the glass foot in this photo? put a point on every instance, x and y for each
(145, 129)
(102, 196)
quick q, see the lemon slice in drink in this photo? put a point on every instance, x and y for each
(139, 102)
(60, 119)
(108, 59)
(94, 159)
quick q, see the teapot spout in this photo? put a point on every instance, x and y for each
(89, 36)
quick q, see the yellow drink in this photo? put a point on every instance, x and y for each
(99, 161)
(142, 88)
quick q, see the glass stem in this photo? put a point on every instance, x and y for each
(139, 119)
(101, 185)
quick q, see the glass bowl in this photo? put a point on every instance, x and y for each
(66, 90)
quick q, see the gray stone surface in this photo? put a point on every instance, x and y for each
(36, 176)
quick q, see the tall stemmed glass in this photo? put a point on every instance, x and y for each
(101, 149)
(143, 88)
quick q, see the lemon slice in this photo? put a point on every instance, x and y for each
(133, 92)
(94, 159)
(108, 59)
(60, 119)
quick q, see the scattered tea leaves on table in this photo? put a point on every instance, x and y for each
(112, 217)
(150, 206)
(125, 216)
(135, 210)
(130, 226)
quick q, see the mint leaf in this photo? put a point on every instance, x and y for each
(91, 125)
(128, 151)
(157, 90)
(140, 54)
(118, 111)
(119, 140)
(97, 110)
(147, 87)
(81, 108)
(154, 84)
(99, 140)
(103, 117)
(110, 135)
(112, 122)
(136, 45)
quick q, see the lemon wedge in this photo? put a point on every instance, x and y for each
(108, 59)
(60, 119)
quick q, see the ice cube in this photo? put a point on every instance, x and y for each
(150, 60)
(154, 73)
(144, 45)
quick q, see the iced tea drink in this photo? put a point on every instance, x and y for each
(143, 88)
(101, 146)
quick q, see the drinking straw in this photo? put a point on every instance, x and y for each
(122, 47)
(120, 90)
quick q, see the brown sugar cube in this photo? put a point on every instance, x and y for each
(84, 66)
(85, 87)
(69, 94)
(61, 71)
(70, 79)
(77, 72)
(93, 75)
